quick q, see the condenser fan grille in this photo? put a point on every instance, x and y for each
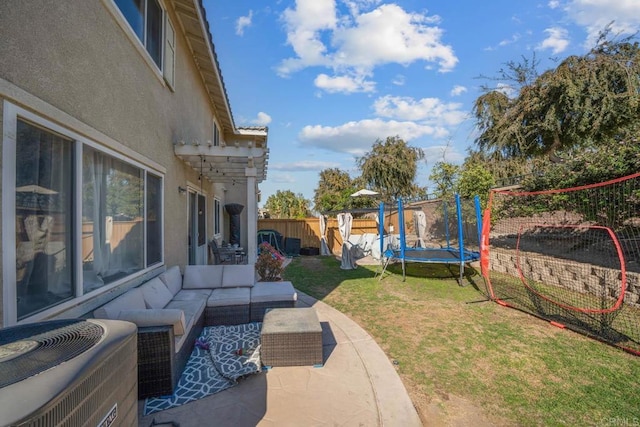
(27, 350)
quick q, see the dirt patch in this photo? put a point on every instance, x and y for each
(450, 410)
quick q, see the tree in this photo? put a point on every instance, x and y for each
(390, 168)
(584, 102)
(333, 190)
(445, 176)
(475, 180)
(286, 204)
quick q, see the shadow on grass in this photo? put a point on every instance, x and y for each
(318, 276)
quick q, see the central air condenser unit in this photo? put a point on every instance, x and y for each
(72, 372)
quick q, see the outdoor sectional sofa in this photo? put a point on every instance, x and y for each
(171, 309)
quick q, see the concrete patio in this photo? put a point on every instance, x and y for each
(358, 385)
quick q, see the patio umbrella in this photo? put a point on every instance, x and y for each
(35, 189)
(324, 249)
(344, 226)
(364, 192)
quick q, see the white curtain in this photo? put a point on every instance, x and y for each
(420, 225)
(98, 183)
(324, 248)
(345, 221)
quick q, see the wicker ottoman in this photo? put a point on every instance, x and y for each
(291, 337)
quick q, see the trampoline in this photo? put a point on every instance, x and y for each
(444, 231)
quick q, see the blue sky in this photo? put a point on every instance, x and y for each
(329, 77)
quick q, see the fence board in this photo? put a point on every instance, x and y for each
(308, 230)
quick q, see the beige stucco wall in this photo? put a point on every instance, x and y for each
(75, 57)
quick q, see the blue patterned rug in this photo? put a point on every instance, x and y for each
(234, 352)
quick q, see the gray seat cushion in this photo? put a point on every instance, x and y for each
(192, 294)
(229, 296)
(273, 291)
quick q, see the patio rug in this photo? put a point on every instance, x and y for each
(233, 352)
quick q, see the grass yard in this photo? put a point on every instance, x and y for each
(451, 346)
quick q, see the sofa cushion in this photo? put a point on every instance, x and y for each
(156, 317)
(202, 277)
(273, 291)
(130, 300)
(192, 294)
(234, 276)
(229, 296)
(173, 279)
(192, 310)
(155, 293)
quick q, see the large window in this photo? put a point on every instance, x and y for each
(145, 18)
(154, 30)
(154, 219)
(216, 135)
(44, 197)
(118, 227)
(217, 216)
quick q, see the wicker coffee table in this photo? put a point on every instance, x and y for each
(291, 337)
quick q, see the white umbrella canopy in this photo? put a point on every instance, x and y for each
(364, 192)
(35, 189)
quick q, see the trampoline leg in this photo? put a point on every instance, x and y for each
(404, 274)
(384, 268)
(461, 279)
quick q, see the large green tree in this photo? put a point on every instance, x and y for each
(390, 168)
(334, 192)
(287, 204)
(445, 176)
(586, 101)
(475, 180)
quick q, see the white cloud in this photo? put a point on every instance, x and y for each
(507, 89)
(398, 80)
(355, 6)
(282, 178)
(439, 153)
(557, 40)
(390, 34)
(345, 84)
(514, 38)
(458, 90)
(263, 119)
(305, 165)
(243, 22)
(357, 137)
(554, 4)
(304, 25)
(594, 15)
(356, 42)
(430, 111)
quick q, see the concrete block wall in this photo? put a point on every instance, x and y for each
(575, 276)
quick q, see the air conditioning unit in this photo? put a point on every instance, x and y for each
(72, 372)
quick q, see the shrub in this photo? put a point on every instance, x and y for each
(268, 264)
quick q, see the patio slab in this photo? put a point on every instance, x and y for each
(357, 385)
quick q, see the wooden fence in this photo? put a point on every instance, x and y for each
(308, 230)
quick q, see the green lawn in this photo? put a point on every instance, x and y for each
(448, 340)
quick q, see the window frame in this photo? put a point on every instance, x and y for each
(165, 76)
(216, 134)
(11, 115)
(217, 217)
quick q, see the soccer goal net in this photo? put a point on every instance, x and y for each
(571, 256)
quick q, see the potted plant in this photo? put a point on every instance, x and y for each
(269, 263)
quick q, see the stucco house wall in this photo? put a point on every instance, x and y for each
(73, 64)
